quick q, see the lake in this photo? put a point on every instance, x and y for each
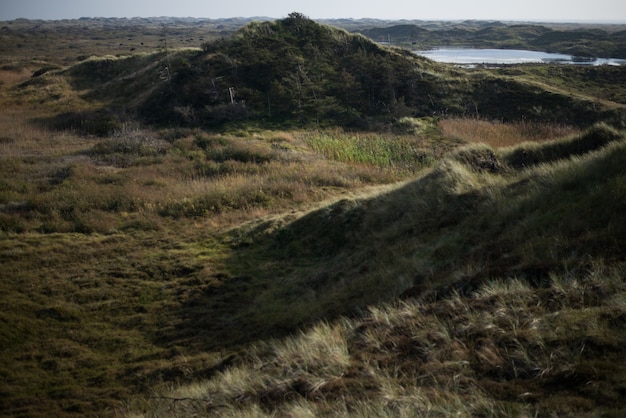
(472, 56)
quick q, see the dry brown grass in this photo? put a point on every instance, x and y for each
(21, 138)
(11, 75)
(499, 134)
(102, 184)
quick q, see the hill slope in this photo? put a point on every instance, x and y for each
(525, 213)
(296, 71)
(511, 266)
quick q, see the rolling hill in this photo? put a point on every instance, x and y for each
(502, 274)
(296, 72)
(282, 222)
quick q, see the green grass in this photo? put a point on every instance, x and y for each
(606, 84)
(83, 330)
(401, 153)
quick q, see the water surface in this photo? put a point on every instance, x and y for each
(472, 56)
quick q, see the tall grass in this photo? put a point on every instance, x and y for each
(104, 184)
(500, 134)
(404, 153)
(12, 74)
(20, 138)
(454, 237)
(525, 155)
(304, 365)
(493, 353)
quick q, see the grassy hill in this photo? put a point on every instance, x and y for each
(298, 73)
(295, 71)
(509, 268)
(166, 251)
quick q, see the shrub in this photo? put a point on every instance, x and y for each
(127, 145)
(99, 122)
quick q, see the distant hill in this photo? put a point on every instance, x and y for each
(296, 71)
(577, 40)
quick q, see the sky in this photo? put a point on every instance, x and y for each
(526, 10)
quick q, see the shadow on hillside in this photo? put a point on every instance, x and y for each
(218, 316)
(342, 258)
(292, 280)
(319, 267)
(97, 122)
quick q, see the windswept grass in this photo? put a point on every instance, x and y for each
(13, 73)
(530, 154)
(495, 352)
(168, 295)
(133, 173)
(450, 230)
(499, 134)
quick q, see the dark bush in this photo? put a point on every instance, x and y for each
(98, 123)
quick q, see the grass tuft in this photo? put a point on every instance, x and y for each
(459, 355)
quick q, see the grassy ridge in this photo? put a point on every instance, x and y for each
(507, 349)
(146, 291)
(502, 262)
(466, 219)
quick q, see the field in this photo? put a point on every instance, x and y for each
(442, 264)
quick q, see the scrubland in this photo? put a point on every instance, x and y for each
(444, 265)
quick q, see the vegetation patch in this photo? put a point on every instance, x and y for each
(497, 134)
(402, 153)
(498, 351)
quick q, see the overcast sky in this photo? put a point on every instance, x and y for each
(539, 10)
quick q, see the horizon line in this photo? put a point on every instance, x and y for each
(542, 20)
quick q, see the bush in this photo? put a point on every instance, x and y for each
(99, 122)
(126, 144)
